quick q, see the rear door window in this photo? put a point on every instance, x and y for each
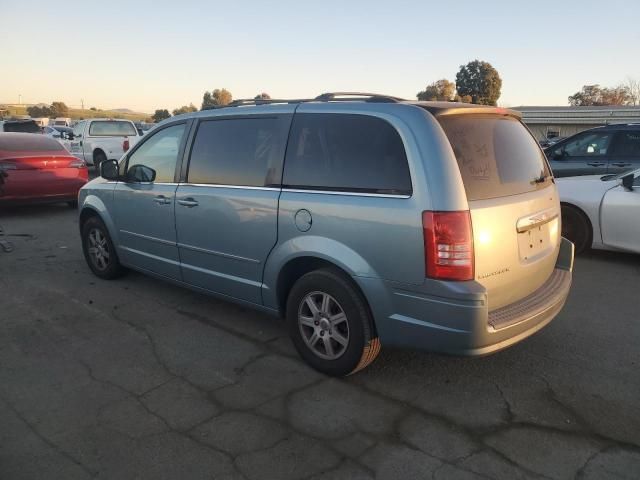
(111, 129)
(627, 144)
(497, 155)
(343, 152)
(239, 151)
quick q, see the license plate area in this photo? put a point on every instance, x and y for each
(534, 243)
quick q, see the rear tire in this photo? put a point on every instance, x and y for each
(99, 251)
(330, 323)
(576, 228)
(98, 157)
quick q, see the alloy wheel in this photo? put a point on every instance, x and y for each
(323, 325)
(98, 249)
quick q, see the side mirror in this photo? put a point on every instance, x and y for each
(109, 170)
(140, 174)
(69, 135)
(627, 182)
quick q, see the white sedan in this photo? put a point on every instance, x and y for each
(601, 212)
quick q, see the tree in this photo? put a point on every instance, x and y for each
(480, 81)
(185, 109)
(465, 99)
(39, 111)
(594, 95)
(633, 87)
(59, 109)
(262, 96)
(218, 97)
(443, 90)
(93, 109)
(160, 115)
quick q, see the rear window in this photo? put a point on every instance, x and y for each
(112, 129)
(497, 156)
(340, 152)
(28, 143)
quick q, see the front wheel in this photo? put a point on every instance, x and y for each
(330, 324)
(99, 251)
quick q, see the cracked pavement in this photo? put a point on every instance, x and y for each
(137, 378)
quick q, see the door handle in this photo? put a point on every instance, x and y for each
(188, 202)
(621, 164)
(162, 200)
(595, 164)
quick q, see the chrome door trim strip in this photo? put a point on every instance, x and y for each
(147, 237)
(218, 254)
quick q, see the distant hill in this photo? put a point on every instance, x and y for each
(77, 113)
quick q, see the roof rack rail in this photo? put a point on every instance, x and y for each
(366, 96)
(257, 101)
(325, 97)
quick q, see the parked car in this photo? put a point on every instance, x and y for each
(36, 168)
(23, 126)
(62, 122)
(602, 211)
(97, 140)
(600, 150)
(410, 224)
(547, 142)
(58, 132)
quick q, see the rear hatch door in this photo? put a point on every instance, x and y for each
(514, 205)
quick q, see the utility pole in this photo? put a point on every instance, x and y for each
(82, 102)
(19, 99)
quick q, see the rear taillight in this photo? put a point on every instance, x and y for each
(448, 245)
(125, 145)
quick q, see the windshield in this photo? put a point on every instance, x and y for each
(497, 155)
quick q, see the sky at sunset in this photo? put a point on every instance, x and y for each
(145, 55)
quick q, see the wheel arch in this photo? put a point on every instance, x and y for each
(299, 266)
(92, 206)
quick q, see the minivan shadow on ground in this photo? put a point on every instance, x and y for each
(138, 378)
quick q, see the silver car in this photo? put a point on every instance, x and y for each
(363, 220)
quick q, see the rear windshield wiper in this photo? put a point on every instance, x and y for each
(541, 179)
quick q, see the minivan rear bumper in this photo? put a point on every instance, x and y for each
(453, 317)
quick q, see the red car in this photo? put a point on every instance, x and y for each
(36, 168)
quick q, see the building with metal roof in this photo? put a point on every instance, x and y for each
(550, 122)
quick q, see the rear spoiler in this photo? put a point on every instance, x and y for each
(466, 109)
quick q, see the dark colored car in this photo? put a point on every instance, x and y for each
(23, 126)
(601, 150)
(37, 168)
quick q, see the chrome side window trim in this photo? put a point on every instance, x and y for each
(350, 194)
(239, 187)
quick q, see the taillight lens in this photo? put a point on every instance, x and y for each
(125, 145)
(448, 245)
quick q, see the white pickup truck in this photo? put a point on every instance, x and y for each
(97, 140)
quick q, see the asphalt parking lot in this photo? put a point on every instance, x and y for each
(136, 378)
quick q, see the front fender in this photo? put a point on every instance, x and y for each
(97, 202)
(311, 246)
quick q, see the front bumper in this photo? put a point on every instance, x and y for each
(453, 318)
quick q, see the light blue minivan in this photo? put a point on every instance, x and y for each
(362, 219)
